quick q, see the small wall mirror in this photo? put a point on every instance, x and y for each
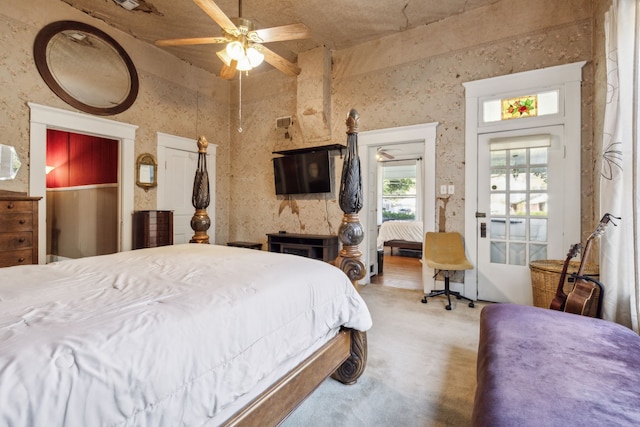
(85, 67)
(146, 171)
(9, 162)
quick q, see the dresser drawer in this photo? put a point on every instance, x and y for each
(21, 257)
(17, 240)
(16, 221)
(8, 206)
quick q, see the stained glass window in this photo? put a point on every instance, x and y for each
(522, 106)
(540, 104)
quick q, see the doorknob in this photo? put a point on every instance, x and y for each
(483, 230)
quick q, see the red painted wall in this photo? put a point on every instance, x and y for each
(80, 159)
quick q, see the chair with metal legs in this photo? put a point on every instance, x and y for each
(444, 252)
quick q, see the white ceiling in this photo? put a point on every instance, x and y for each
(335, 24)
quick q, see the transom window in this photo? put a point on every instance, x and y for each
(519, 107)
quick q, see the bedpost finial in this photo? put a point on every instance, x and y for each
(353, 120)
(202, 144)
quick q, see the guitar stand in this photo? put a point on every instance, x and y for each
(446, 291)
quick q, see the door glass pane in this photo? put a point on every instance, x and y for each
(518, 204)
(538, 229)
(518, 157)
(498, 204)
(517, 229)
(517, 254)
(518, 179)
(539, 205)
(498, 228)
(499, 180)
(537, 251)
(538, 178)
(498, 158)
(538, 156)
(499, 252)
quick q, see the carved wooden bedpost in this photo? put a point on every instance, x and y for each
(200, 198)
(351, 235)
(350, 199)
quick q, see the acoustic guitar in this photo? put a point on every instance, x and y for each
(560, 298)
(580, 298)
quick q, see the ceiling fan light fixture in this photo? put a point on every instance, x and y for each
(235, 50)
(244, 64)
(254, 56)
(224, 57)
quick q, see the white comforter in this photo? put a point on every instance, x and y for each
(400, 230)
(166, 336)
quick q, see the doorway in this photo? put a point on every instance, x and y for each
(425, 136)
(523, 175)
(43, 118)
(82, 195)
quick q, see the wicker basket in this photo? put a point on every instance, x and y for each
(545, 275)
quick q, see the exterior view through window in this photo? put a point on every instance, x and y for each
(399, 192)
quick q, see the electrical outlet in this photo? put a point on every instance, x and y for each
(451, 188)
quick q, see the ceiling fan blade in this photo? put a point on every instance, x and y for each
(212, 9)
(285, 32)
(280, 63)
(227, 72)
(190, 41)
(383, 153)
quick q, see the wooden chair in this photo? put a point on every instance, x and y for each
(444, 252)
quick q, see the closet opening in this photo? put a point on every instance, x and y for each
(82, 195)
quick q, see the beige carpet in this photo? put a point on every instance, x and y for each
(420, 372)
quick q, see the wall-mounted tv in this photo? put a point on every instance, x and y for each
(303, 173)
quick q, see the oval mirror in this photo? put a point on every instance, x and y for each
(9, 162)
(85, 67)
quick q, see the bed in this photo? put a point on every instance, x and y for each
(400, 234)
(177, 335)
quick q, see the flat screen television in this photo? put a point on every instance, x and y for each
(303, 173)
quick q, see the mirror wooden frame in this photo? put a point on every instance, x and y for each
(40, 52)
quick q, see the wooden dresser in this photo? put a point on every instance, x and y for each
(18, 229)
(152, 228)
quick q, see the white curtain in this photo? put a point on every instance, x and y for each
(619, 182)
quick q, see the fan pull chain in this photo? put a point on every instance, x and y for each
(240, 103)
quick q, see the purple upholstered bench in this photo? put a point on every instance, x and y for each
(539, 367)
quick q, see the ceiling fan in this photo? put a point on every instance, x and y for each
(244, 50)
(381, 152)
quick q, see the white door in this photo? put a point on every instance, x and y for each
(180, 167)
(520, 214)
(177, 164)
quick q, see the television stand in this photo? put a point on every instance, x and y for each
(316, 246)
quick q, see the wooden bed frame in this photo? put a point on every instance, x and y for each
(403, 244)
(344, 357)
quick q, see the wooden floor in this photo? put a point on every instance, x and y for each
(399, 271)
